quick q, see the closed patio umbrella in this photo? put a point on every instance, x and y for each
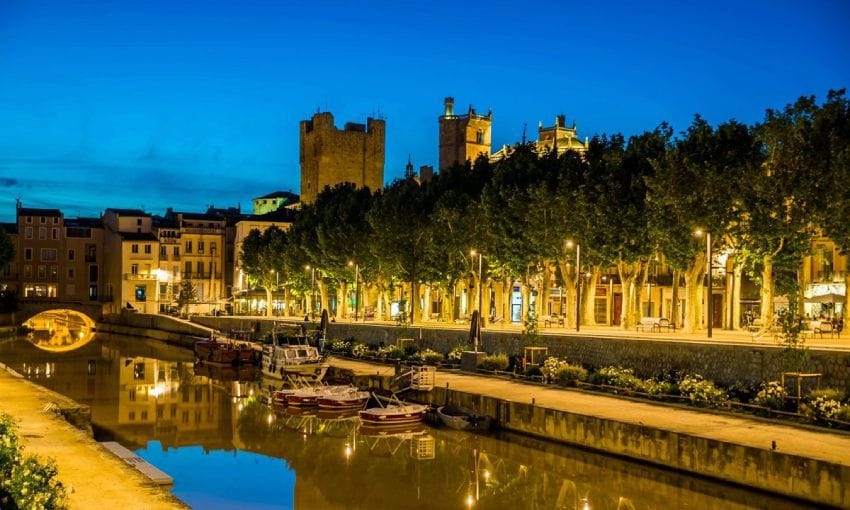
(475, 330)
(323, 324)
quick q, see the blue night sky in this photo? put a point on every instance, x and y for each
(186, 104)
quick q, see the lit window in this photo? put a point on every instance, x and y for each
(134, 269)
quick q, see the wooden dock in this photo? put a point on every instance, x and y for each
(156, 475)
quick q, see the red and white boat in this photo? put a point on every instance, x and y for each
(347, 400)
(305, 397)
(394, 413)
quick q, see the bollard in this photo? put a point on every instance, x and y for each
(533, 400)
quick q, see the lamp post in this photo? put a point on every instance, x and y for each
(356, 287)
(312, 288)
(709, 292)
(578, 283)
(480, 284)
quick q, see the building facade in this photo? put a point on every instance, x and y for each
(131, 252)
(463, 137)
(330, 156)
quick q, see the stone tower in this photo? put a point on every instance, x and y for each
(463, 137)
(330, 156)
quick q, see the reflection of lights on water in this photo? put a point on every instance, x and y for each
(239, 407)
(470, 501)
(270, 418)
(585, 505)
(235, 400)
(486, 475)
(47, 369)
(251, 392)
(347, 451)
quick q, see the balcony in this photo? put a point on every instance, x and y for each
(139, 276)
(201, 276)
(203, 230)
(829, 277)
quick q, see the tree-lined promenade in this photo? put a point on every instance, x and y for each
(763, 192)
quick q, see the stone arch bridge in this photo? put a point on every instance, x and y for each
(29, 308)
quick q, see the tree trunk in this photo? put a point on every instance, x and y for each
(694, 293)
(341, 300)
(767, 292)
(735, 303)
(268, 301)
(414, 302)
(629, 273)
(323, 296)
(569, 293)
(674, 305)
(589, 298)
(544, 294)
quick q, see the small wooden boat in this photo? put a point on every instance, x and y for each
(394, 413)
(352, 399)
(225, 351)
(309, 397)
(292, 355)
(461, 418)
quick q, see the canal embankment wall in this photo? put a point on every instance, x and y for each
(814, 480)
(725, 363)
(157, 327)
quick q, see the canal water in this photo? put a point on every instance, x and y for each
(226, 448)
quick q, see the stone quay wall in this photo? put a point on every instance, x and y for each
(724, 363)
(805, 478)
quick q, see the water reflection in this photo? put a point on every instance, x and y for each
(60, 330)
(226, 448)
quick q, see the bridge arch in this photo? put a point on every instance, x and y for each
(60, 329)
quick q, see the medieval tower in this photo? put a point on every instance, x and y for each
(463, 137)
(330, 156)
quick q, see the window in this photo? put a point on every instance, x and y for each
(201, 267)
(479, 137)
(55, 233)
(43, 219)
(200, 247)
(42, 232)
(188, 246)
(132, 415)
(28, 233)
(134, 248)
(187, 270)
(27, 271)
(54, 272)
(177, 251)
(176, 271)
(48, 255)
(162, 251)
(27, 253)
(42, 271)
(144, 415)
(148, 249)
(72, 254)
(29, 219)
(139, 222)
(134, 269)
(91, 367)
(138, 371)
(93, 273)
(212, 248)
(91, 252)
(141, 293)
(71, 273)
(92, 292)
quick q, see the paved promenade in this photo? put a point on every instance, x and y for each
(95, 478)
(825, 444)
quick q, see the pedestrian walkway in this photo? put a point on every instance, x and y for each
(93, 476)
(809, 442)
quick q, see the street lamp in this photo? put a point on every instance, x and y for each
(710, 299)
(578, 283)
(480, 284)
(312, 288)
(356, 287)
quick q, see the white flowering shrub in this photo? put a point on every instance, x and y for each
(390, 352)
(359, 350)
(341, 346)
(653, 387)
(772, 394)
(701, 391)
(456, 353)
(429, 356)
(9, 445)
(33, 485)
(617, 376)
(550, 368)
(825, 408)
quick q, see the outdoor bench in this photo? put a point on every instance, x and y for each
(654, 324)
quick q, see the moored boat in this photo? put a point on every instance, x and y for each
(351, 399)
(292, 356)
(225, 351)
(461, 418)
(394, 413)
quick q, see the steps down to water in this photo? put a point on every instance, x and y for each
(155, 474)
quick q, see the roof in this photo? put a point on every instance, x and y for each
(200, 216)
(84, 222)
(128, 212)
(160, 222)
(290, 197)
(31, 211)
(138, 236)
